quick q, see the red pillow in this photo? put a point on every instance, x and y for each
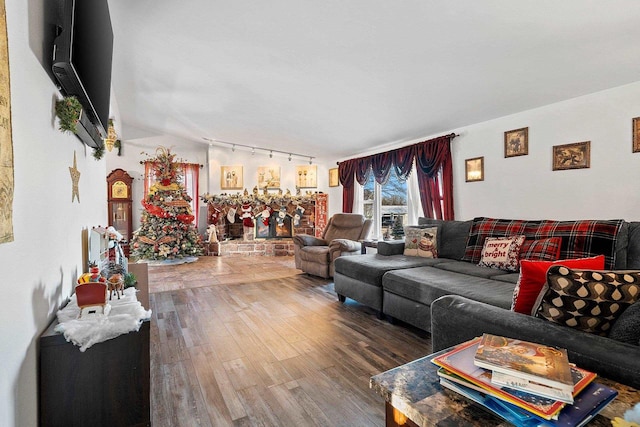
(533, 276)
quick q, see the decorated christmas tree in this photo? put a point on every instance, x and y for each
(167, 230)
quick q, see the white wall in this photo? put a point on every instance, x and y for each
(41, 265)
(526, 187)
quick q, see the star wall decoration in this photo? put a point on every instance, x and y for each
(75, 178)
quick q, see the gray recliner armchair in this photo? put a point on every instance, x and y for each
(341, 237)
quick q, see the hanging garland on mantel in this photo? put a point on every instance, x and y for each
(257, 198)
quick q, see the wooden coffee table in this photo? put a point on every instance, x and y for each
(414, 397)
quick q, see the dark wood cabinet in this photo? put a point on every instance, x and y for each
(107, 385)
(120, 207)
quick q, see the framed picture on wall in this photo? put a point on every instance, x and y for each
(231, 178)
(516, 142)
(333, 177)
(474, 169)
(268, 177)
(636, 134)
(307, 176)
(572, 156)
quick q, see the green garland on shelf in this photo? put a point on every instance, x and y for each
(68, 111)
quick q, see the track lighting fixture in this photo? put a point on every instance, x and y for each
(253, 149)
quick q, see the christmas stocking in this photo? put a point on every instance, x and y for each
(231, 215)
(298, 215)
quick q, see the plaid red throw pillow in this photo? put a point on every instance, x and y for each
(541, 250)
(580, 239)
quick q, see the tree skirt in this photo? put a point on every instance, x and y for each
(174, 261)
(123, 316)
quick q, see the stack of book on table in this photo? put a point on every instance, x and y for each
(526, 384)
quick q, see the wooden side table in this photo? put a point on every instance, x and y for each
(368, 244)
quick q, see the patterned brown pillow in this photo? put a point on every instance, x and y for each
(588, 300)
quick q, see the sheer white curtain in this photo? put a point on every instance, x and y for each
(414, 206)
(358, 198)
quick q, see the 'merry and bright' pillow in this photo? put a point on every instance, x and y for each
(501, 252)
(533, 276)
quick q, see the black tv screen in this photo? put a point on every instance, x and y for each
(82, 56)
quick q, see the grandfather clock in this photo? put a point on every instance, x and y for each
(120, 205)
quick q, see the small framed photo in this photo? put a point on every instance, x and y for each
(636, 134)
(572, 156)
(333, 177)
(231, 178)
(268, 177)
(474, 169)
(306, 176)
(516, 142)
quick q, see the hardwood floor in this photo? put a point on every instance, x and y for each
(252, 341)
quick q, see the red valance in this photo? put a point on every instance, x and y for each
(430, 157)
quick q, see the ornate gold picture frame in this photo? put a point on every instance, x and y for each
(231, 178)
(268, 176)
(307, 176)
(516, 142)
(334, 181)
(636, 134)
(572, 156)
(474, 169)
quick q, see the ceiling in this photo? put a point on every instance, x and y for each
(336, 78)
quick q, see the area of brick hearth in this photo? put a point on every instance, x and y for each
(280, 247)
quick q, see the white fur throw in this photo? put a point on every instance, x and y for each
(125, 315)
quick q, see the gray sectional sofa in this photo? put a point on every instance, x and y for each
(456, 300)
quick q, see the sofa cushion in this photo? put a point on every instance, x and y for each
(542, 249)
(467, 268)
(588, 300)
(509, 278)
(452, 241)
(421, 241)
(501, 252)
(580, 239)
(627, 327)
(371, 267)
(533, 276)
(425, 284)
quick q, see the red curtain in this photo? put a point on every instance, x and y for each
(431, 158)
(345, 174)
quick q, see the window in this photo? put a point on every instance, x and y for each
(387, 206)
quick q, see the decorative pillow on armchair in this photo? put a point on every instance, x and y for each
(588, 300)
(421, 241)
(533, 277)
(501, 252)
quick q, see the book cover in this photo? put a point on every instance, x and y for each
(511, 381)
(508, 412)
(535, 362)
(593, 399)
(460, 361)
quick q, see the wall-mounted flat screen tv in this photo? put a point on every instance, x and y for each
(82, 55)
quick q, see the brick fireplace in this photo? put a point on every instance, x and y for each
(266, 238)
